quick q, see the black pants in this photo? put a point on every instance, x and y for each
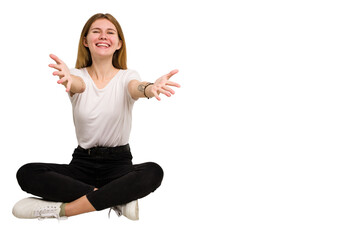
(108, 169)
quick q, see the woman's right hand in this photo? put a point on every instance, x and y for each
(63, 72)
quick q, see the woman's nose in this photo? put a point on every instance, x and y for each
(102, 36)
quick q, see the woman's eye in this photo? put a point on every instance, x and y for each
(111, 33)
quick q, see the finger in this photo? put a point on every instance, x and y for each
(165, 92)
(172, 73)
(55, 58)
(169, 90)
(174, 84)
(62, 80)
(156, 95)
(57, 67)
(57, 73)
(68, 86)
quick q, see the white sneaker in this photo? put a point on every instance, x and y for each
(129, 210)
(36, 208)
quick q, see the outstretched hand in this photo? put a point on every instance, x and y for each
(162, 84)
(63, 72)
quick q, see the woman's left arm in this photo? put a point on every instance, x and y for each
(162, 85)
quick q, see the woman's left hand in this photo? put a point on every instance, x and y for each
(161, 85)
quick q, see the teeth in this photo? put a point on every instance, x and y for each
(102, 45)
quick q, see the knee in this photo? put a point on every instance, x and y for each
(24, 175)
(155, 174)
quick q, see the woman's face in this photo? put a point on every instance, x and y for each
(102, 39)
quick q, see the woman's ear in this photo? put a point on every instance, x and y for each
(85, 42)
(119, 45)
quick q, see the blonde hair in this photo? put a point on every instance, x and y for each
(84, 55)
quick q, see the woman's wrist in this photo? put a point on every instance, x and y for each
(147, 90)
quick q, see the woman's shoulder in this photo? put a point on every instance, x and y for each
(130, 74)
(128, 71)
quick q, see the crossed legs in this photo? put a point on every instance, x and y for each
(69, 184)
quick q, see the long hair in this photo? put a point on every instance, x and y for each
(84, 55)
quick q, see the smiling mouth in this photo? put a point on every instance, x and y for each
(103, 45)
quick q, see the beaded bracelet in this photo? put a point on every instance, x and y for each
(145, 89)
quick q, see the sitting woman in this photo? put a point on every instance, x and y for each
(101, 174)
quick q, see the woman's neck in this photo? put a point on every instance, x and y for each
(102, 70)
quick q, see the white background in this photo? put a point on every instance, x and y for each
(260, 142)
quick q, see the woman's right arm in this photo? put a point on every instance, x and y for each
(74, 84)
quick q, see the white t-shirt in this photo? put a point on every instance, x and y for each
(102, 117)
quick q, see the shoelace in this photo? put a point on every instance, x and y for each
(116, 210)
(49, 212)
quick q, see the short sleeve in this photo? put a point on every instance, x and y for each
(132, 75)
(76, 72)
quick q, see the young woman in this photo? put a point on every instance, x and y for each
(101, 174)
